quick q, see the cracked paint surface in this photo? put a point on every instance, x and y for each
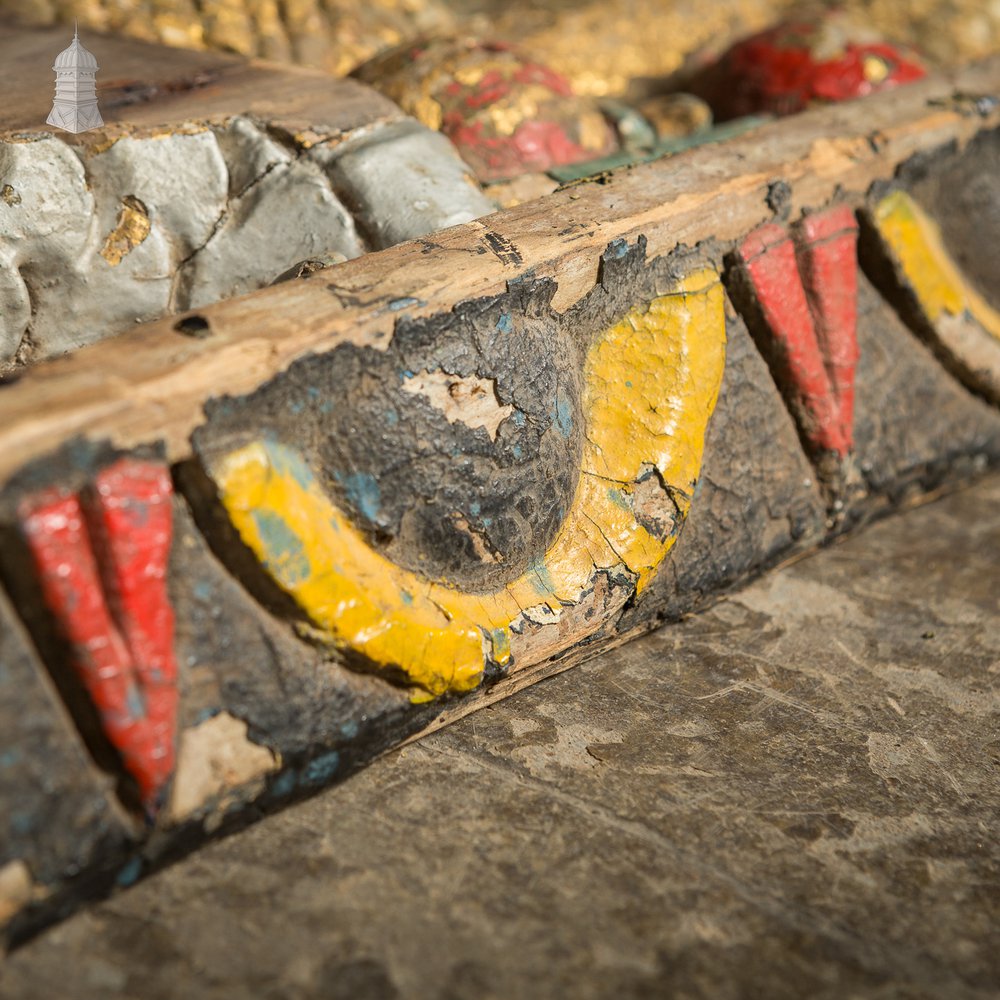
(121, 229)
(651, 382)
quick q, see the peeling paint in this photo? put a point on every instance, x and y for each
(471, 400)
(132, 228)
(672, 349)
(216, 757)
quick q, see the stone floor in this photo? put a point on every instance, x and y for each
(795, 794)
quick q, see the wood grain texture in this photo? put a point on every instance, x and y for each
(153, 383)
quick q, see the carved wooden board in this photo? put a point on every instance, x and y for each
(360, 503)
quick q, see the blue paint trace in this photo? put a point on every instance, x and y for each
(363, 491)
(22, 823)
(322, 769)
(619, 498)
(129, 875)
(288, 462)
(135, 703)
(540, 578)
(617, 249)
(284, 784)
(286, 558)
(564, 414)
(505, 323)
(404, 303)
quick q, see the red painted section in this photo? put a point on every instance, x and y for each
(56, 533)
(533, 146)
(827, 257)
(769, 257)
(102, 569)
(131, 510)
(533, 74)
(783, 69)
(545, 124)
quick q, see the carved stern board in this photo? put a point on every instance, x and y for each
(406, 485)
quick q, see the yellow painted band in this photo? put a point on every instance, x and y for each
(650, 385)
(915, 242)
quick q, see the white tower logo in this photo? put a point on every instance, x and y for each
(75, 106)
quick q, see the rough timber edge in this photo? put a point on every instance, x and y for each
(152, 383)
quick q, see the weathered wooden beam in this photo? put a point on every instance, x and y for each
(154, 383)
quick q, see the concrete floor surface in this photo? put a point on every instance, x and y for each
(795, 794)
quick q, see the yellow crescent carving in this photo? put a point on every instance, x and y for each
(915, 241)
(650, 385)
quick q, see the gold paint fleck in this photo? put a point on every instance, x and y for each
(875, 68)
(132, 228)
(9, 195)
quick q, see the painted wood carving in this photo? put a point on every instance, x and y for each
(634, 431)
(803, 286)
(101, 557)
(250, 547)
(506, 114)
(951, 313)
(784, 68)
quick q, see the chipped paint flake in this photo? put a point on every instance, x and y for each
(17, 889)
(132, 229)
(470, 400)
(215, 758)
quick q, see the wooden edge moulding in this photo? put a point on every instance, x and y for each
(247, 549)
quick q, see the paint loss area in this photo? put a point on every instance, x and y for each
(470, 400)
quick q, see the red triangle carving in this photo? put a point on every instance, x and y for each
(101, 557)
(807, 292)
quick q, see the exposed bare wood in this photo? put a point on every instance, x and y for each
(152, 383)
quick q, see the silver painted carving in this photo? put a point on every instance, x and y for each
(96, 237)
